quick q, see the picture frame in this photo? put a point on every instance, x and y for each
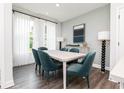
(79, 33)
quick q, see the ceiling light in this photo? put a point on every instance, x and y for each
(57, 5)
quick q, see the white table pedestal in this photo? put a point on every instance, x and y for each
(64, 75)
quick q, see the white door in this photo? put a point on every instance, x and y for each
(121, 33)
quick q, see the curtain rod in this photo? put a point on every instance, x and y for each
(34, 16)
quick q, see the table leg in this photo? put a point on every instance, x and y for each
(64, 75)
(121, 85)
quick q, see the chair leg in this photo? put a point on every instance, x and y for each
(39, 69)
(69, 78)
(36, 67)
(55, 74)
(67, 81)
(42, 72)
(47, 75)
(87, 77)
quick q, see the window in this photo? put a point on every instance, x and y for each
(22, 39)
(31, 37)
(31, 33)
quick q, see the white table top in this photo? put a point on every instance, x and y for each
(118, 71)
(64, 56)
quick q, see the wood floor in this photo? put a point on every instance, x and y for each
(25, 77)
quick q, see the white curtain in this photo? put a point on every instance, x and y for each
(43, 35)
(51, 35)
(22, 26)
(38, 33)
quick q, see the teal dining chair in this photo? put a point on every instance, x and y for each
(82, 70)
(47, 63)
(74, 50)
(42, 48)
(83, 60)
(64, 49)
(37, 60)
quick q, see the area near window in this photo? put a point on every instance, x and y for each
(28, 33)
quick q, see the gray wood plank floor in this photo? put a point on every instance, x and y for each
(25, 77)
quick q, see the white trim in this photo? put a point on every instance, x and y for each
(99, 66)
(8, 84)
(111, 79)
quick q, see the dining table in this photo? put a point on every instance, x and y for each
(64, 57)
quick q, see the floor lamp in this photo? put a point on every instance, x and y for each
(103, 36)
(60, 40)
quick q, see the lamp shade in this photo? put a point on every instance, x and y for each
(103, 35)
(60, 39)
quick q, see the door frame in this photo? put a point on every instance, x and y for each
(118, 30)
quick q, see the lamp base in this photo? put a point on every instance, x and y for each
(103, 56)
(103, 72)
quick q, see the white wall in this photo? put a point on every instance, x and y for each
(96, 20)
(6, 45)
(1, 38)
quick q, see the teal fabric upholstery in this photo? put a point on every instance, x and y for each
(37, 60)
(64, 49)
(82, 70)
(85, 58)
(42, 48)
(74, 50)
(47, 63)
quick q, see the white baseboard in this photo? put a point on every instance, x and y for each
(99, 66)
(23, 64)
(107, 68)
(7, 85)
(110, 79)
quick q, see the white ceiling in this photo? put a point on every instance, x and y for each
(65, 12)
